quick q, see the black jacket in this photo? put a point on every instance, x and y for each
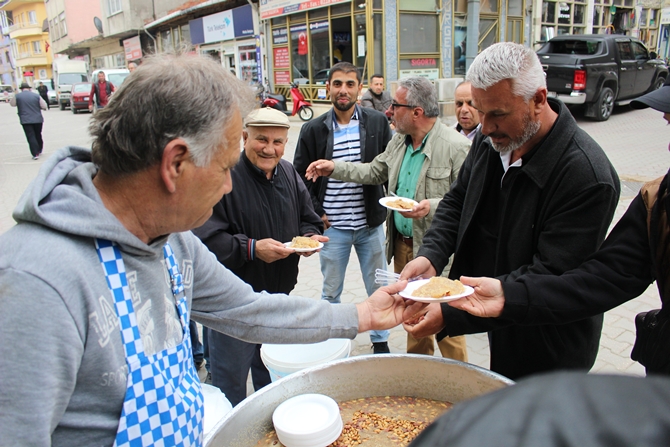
(258, 208)
(316, 142)
(559, 208)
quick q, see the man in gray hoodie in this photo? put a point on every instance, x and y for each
(100, 276)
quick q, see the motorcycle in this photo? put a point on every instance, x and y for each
(300, 106)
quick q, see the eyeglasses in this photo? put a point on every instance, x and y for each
(395, 104)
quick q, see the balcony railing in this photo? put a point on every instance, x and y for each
(25, 26)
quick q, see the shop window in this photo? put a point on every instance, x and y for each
(248, 64)
(377, 4)
(567, 17)
(359, 47)
(417, 5)
(488, 32)
(186, 35)
(279, 21)
(337, 10)
(460, 42)
(378, 23)
(514, 31)
(166, 40)
(300, 50)
(418, 33)
(515, 8)
(488, 6)
(176, 37)
(321, 48)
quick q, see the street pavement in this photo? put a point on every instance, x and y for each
(636, 141)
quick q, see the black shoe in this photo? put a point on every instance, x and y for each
(380, 347)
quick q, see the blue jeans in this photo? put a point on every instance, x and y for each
(334, 256)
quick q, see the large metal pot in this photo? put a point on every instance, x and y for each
(361, 376)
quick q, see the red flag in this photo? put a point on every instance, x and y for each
(46, 46)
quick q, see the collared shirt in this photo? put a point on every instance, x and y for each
(407, 179)
(471, 134)
(344, 203)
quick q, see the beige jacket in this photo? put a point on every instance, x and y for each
(445, 152)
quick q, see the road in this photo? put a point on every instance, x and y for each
(635, 141)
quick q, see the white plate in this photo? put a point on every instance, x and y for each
(384, 200)
(413, 285)
(307, 420)
(303, 250)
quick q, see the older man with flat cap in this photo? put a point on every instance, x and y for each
(268, 206)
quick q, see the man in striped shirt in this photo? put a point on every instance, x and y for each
(350, 212)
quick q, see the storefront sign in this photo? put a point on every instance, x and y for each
(427, 62)
(429, 73)
(224, 25)
(281, 57)
(279, 36)
(321, 93)
(133, 48)
(282, 77)
(665, 16)
(276, 8)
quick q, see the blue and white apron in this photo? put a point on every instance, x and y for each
(163, 405)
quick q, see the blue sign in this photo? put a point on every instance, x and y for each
(223, 26)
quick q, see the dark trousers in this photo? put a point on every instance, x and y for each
(34, 136)
(231, 360)
(196, 346)
(46, 99)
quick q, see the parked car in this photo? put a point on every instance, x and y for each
(114, 75)
(81, 93)
(600, 71)
(6, 92)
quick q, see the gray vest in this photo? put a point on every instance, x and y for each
(28, 104)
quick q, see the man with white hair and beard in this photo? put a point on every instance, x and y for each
(535, 195)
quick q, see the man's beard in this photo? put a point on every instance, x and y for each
(530, 128)
(343, 107)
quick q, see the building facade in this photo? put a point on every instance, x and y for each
(29, 39)
(7, 65)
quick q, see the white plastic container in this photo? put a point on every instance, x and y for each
(216, 407)
(282, 360)
(308, 420)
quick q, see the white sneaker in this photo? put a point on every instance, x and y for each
(36, 157)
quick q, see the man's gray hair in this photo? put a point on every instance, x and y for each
(508, 60)
(169, 96)
(421, 92)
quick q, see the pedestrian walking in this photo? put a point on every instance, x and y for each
(43, 91)
(30, 106)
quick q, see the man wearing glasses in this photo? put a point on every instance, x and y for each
(350, 212)
(420, 163)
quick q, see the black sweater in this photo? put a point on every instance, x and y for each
(258, 208)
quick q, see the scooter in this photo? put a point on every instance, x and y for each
(300, 105)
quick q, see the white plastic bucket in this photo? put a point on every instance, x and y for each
(282, 360)
(216, 407)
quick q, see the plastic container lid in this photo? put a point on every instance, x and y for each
(308, 420)
(292, 358)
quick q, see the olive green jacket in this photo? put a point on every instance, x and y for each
(445, 150)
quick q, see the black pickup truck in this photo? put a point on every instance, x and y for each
(599, 71)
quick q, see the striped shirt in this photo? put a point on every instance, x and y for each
(343, 202)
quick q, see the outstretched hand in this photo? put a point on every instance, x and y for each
(428, 322)
(386, 310)
(488, 300)
(319, 168)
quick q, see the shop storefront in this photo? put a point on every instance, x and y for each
(626, 17)
(228, 37)
(396, 38)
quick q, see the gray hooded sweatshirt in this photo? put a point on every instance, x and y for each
(62, 363)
